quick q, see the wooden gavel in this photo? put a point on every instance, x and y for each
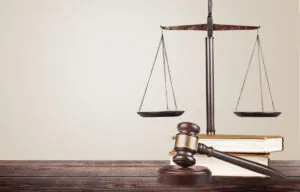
(187, 145)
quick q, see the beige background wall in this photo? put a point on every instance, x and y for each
(299, 51)
(72, 74)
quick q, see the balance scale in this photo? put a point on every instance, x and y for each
(210, 27)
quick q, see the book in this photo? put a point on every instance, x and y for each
(243, 143)
(223, 168)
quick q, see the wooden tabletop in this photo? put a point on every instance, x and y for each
(126, 176)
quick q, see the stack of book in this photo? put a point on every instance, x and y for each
(251, 147)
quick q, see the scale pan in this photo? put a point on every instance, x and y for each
(160, 113)
(257, 114)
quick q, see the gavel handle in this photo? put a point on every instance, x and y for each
(250, 165)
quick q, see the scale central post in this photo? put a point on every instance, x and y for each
(209, 47)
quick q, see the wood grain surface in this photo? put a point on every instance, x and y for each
(127, 176)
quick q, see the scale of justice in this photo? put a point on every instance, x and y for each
(187, 143)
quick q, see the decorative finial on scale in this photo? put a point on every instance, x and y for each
(210, 7)
(210, 24)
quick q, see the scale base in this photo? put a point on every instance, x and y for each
(176, 175)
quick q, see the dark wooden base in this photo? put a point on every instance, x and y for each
(176, 175)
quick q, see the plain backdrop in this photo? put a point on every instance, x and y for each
(73, 72)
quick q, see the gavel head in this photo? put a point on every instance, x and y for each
(186, 144)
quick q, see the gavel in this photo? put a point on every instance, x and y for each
(187, 145)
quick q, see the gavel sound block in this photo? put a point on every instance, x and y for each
(186, 145)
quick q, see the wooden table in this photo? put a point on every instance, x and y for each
(126, 176)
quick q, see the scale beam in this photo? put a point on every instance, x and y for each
(204, 27)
